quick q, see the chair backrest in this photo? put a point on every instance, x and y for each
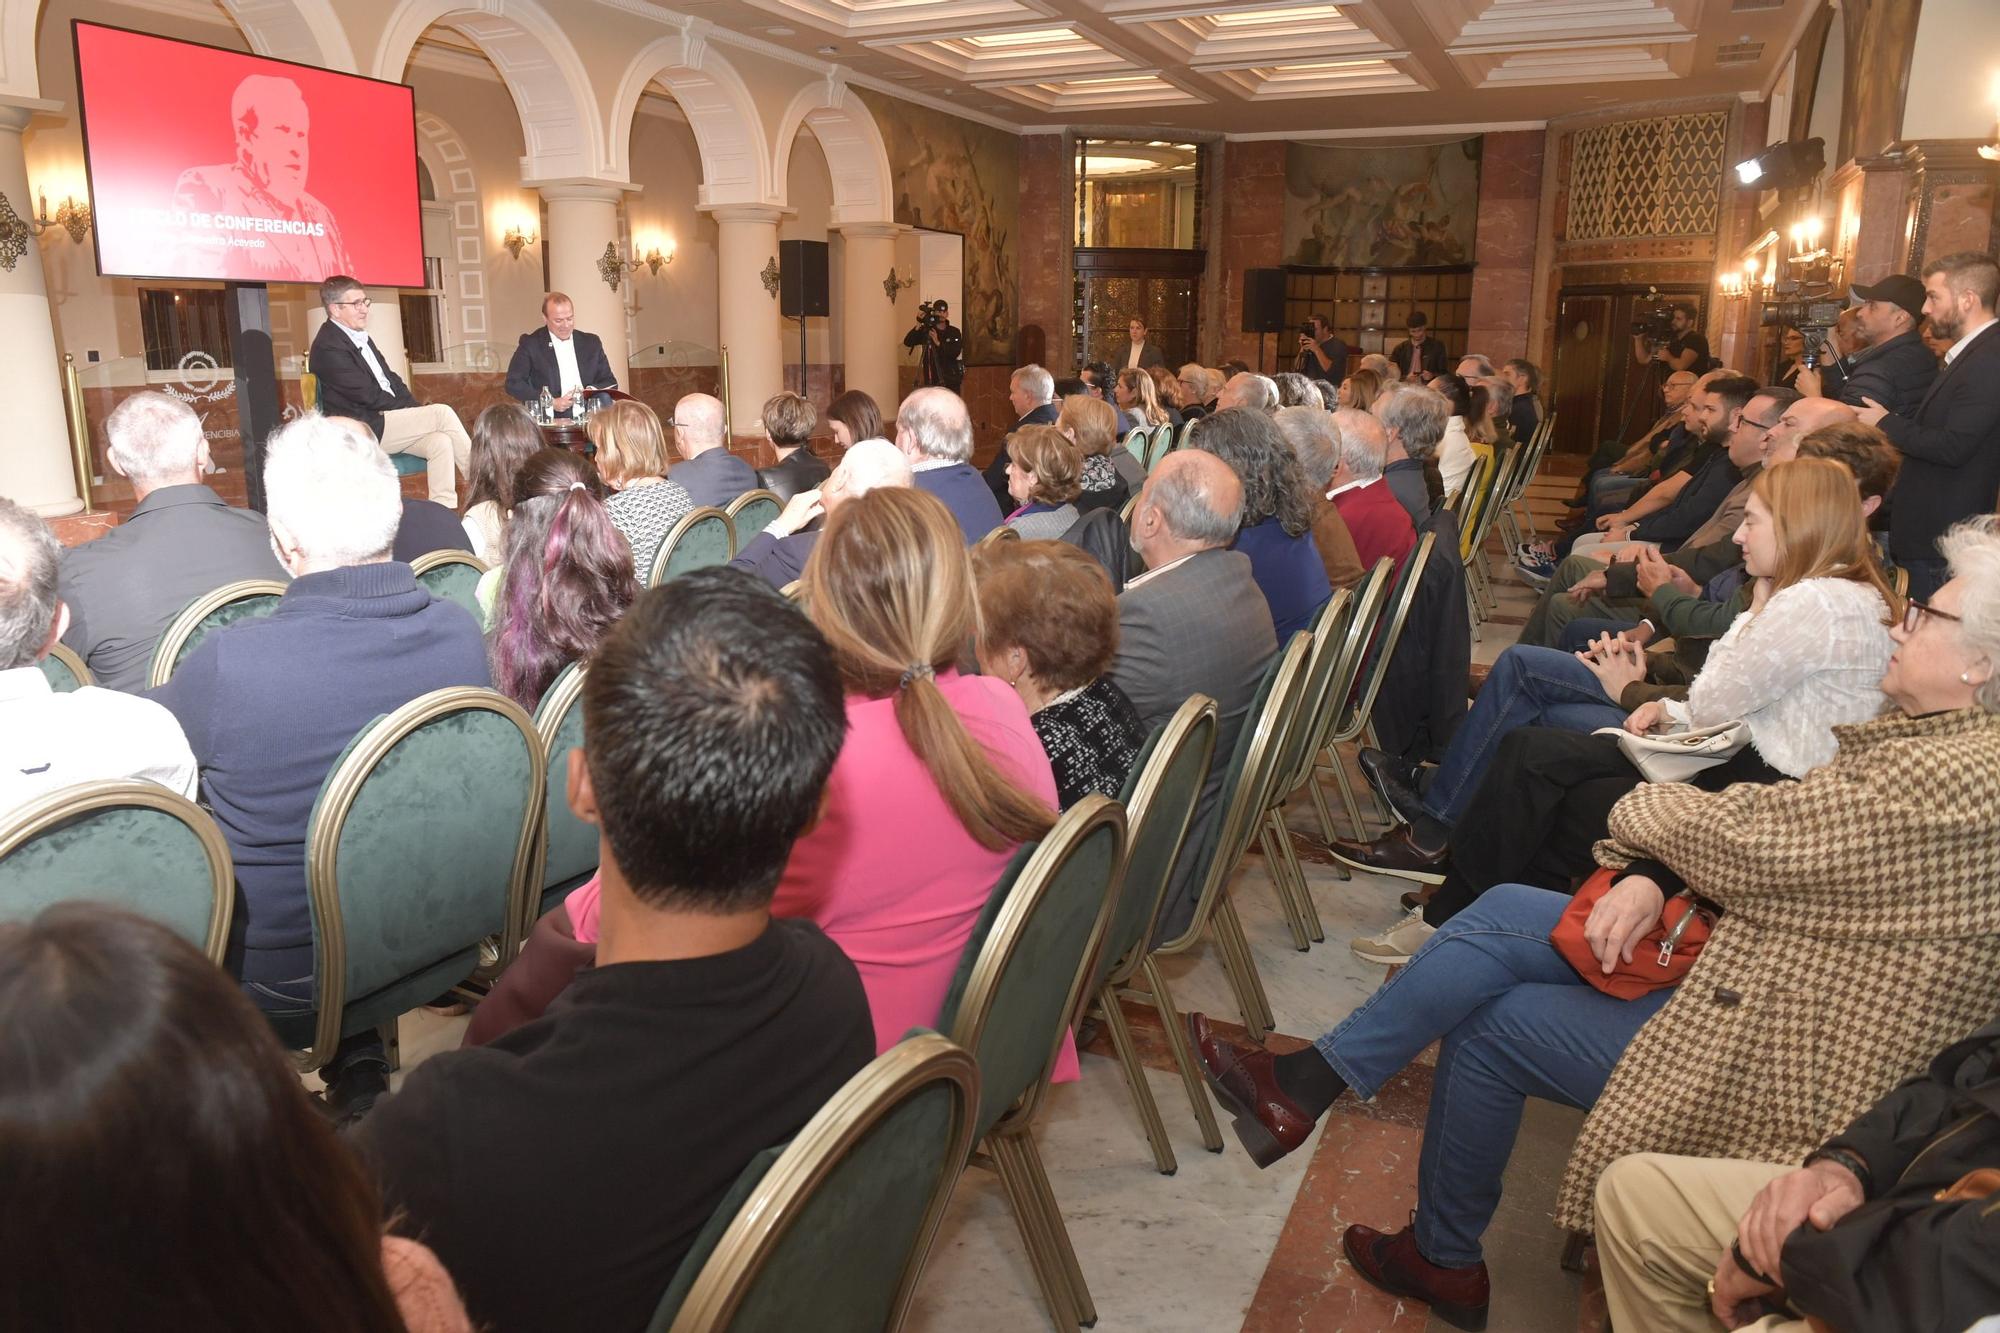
(749, 513)
(309, 391)
(1471, 498)
(831, 1231)
(1125, 511)
(1163, 442)
(245, 600)
(1003, 533)
(796, 590)
(1139, 443)
(1366, 614)
(1159, 800)
(1498, 489)
(1252, 768)
(64, 670)
(452, 576)
(566, 847)
(1016, 995)
(1295, 755)
(420, 846)
(701, 539)
(1361, 700)
(130, 844)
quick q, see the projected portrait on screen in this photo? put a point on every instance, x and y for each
(258, 206)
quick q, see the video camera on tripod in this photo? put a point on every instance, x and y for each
(1811, 308)
(932, 315)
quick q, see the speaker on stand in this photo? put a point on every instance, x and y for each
(804, 289)
(1263, 305)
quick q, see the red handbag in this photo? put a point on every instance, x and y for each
(1659, 960)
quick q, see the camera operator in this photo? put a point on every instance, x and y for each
(1322, 355)
(943, 362)
(1684, 347)
(1895, 369)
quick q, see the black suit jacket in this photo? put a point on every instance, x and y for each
(534, 365)
(347, 387)
(802, 470)
(1951, 451)
(1042, 414)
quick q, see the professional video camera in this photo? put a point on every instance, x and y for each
(1811, 309)
(1653, 320)
(931, 316)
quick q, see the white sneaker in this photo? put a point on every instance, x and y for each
(1397, 943)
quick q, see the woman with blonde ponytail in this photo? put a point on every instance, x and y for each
(941, 777)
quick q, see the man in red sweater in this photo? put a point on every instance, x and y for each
(1375, 518)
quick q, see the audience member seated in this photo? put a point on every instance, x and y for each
(1199, 386)
(134, 1078)
(854, 417)
(1360, 492)
(1314, 438)
(1524, 414)
(1194, 623)
(1168, 392)
(1413, 419)
(1454, 451)
(1277, 531)
(1259, 393)
(934, 431)
(181, 541)
(1359, 390)
(1042, 471)
(1049, 628)
(632, 459)
(1295, 390)
(425, 527)
(778, 554)
(706, 1032)
(1385, 369)
(1091, 426)
(708, 472)
(269, 704)
(503, 438)
(1031, 392)
(789, 421)
(49, 741)
(566, 580)
(1830, 974)
(1138, 396)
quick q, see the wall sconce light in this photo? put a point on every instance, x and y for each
(72, 217)
(1991, 151)
(893, 285)
(516, 240)
(613, 268)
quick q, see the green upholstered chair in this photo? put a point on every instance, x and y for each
(565, 846)
(749, 514)
(246, 600)
(420, 848)
(1139, 444)
(701, 539)
(1163, 442)
(1015, 996)
(1238, 813)
(133, 845)
(408, 465)
(830, 1232)
(64, 669)
(1159, 800)
(452, 576)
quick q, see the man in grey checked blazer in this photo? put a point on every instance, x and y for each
(1193, 623)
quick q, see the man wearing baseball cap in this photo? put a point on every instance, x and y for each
(1895, 369)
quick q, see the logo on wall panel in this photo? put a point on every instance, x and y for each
(203, 383)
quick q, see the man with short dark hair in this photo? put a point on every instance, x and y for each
(1418, 356)
(1685, 347)
(559, 358)
(1895, 367)
(1322, 353)
(563, 1171)
(1097, 382)
(1525, 378)
(1140, 352)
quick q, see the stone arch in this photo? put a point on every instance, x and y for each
(307, 31)
(852, 142)
(728, 132)
(542, 71)
(457, 186)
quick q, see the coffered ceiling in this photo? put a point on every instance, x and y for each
(1303, 67)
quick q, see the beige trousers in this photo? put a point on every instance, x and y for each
(1662, 1224)
(433, 433)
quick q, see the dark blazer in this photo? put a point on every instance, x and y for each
(714, 477)
(1430, 361)
(1422, 700)
(347, 387)
(1896, 374)
(777, 560)
(965, 495)
(1951, 451)
(534, 365)
(996, 471)
(1201, 627)
(1149, 356)
(427, 527)
(802, 471)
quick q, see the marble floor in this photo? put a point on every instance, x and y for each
(1221, 1245)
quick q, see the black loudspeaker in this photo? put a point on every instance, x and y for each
(1264, 300)
(802, 279)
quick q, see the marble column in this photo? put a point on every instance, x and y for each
(1510, 192)
(747, 242)
(1250, 234)
(36, 469)
(583, 219)
(870, 332)
(1951, 201)
(1047, 229)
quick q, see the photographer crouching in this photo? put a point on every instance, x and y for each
(942, 345)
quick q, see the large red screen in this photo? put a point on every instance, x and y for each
(206, 163)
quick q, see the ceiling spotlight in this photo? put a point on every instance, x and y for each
(1783, 166)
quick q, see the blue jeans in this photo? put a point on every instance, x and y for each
(1528, 687)
(1576, 636)
(1517, 1021)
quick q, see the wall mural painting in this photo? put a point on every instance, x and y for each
(958, 175)
(1387, 207)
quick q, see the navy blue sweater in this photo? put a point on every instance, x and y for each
(269, 704)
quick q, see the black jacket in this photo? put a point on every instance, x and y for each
(996, 471)
(534, 365)
(1895, 374)
(1951, 451)
(1422, 698)
(1903, 1260)
(1430, 361)
(802, 470)
(347, 388)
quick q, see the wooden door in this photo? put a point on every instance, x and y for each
(1584, 345)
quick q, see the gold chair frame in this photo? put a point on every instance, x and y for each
(675, 534)
(430, 560)
(75, 665)
(738, 505)
(563, 695)
(43, 813)
(1003, 533)
(182, 627)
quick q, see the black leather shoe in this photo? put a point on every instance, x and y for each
(1394, 853)
(1395, 780)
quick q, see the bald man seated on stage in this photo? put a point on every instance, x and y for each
(559, 357)
(708, 471)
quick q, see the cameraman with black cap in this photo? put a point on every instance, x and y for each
(1684, 347)
(943, 346)
(1895, 368)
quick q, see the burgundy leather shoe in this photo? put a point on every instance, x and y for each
(1394, 853)
(1269, 1123)
(1456, 1295)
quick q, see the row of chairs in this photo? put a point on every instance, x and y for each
(1492, 494)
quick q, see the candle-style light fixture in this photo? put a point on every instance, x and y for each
(72, 217)
(517, 240)
(612, 267)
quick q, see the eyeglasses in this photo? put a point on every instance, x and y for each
(1749, 420)
(1914, 613)
(359, 300)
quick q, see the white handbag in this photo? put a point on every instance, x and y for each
(1676, 756)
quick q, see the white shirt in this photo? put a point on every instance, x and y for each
(567, 375)
(49, 740)
(1153, 573)
(1351, 486)
(1454, 455)
(1132, 359)
(360, 339)
(1951, 354)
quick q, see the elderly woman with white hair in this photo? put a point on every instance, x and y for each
(1315, 439)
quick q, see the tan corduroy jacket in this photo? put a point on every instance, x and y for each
(1860, 937)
